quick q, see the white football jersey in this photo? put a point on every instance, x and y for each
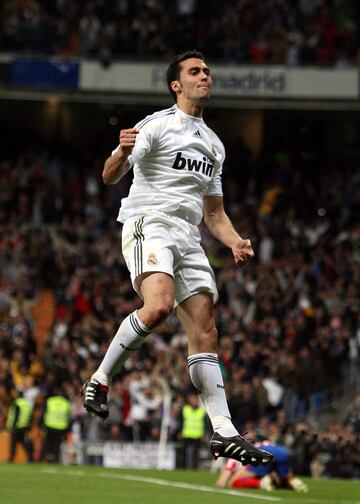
(177, 160)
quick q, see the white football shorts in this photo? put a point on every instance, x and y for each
(160, 242)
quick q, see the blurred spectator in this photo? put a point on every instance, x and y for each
(192, 430)
(286, 32)
(19, 422)
(288, 322)
(145, 398)
(56, 422)
(351, 418)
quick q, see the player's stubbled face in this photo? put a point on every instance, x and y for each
(195, 79)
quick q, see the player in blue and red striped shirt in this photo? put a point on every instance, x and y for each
(276, 475)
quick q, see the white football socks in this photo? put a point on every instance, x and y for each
(206, 377)
(129, 338)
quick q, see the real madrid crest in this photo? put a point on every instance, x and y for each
(152, 259)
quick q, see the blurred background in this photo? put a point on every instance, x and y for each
(286, 105)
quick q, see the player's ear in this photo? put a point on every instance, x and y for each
(175, 86)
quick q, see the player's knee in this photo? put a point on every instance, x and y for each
(164, 310)
(157, 313)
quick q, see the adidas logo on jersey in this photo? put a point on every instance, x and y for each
(205, 166)
(197, 134)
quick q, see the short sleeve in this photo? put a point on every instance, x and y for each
(143, 145)
(215, 186)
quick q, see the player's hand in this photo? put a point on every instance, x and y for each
(298, 485)
(127, 139)
(242, 252)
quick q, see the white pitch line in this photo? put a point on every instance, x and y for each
(163, 482)
(68, 473)
(188, 486)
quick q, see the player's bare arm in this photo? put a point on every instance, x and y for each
(117, 165)
(220, 226)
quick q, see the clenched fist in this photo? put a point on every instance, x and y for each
(242, 252)
(127, 139)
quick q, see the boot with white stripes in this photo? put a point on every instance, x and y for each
(95, 398)
(239, 448)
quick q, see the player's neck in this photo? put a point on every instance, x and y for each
(190, 108)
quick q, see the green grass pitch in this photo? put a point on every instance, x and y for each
(54, 484)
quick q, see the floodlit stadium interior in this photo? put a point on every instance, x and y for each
(288, 322)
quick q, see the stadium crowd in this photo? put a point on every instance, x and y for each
(288, 322)
(302, 32)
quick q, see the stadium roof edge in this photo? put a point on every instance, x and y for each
(161, 100)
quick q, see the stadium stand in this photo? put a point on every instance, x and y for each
(284, 337)
(287, 32)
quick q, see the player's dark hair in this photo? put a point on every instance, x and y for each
(173, 71)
